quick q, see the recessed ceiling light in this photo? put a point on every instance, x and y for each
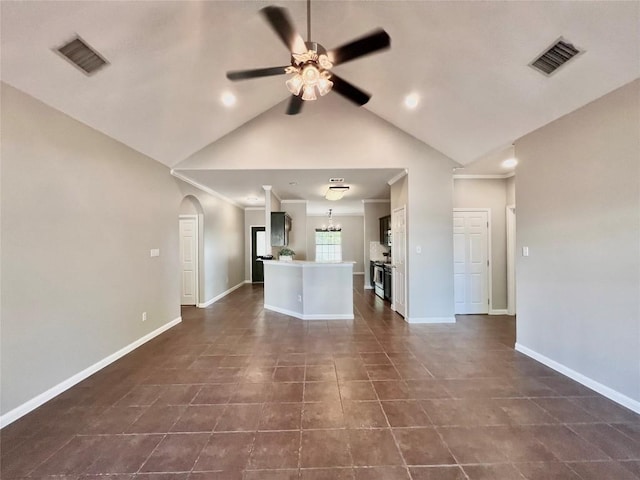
(411, 101)
(253, 199)
(509, 163)
(228, 99)
(293, 183)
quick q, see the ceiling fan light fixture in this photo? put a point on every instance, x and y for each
(309, 93)
(295, 83)
(310, 74)
(324, 86)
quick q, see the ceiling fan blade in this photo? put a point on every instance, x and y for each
(295, 105)
(236, 75)
(349, 90)
(372, 42)
(281, 23)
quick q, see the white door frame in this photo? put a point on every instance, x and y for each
(489, 258)
(511, 259)
(394, 270)
(197, 262)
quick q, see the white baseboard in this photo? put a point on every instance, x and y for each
(368, 287)
(430, 319)
(13, 415)
(608, 392)
(358, 273)
(223, 294)
(498, 311)
(316, 316)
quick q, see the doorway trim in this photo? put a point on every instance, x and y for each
(511, 259)
(489, 257)
(195, 217)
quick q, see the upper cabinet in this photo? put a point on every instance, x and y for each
(280, 228)
(385, 230)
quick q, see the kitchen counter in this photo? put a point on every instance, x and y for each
(309, 290)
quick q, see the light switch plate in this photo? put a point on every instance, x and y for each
(155, 252)
(525, 251)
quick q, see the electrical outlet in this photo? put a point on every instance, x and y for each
(300, 298)
(144, 316)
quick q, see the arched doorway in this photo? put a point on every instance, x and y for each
(191, 220)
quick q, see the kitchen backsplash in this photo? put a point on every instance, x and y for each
(377, 251)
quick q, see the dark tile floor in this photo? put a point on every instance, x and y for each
(235, 392)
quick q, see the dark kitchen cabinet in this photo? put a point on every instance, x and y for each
(385, 230)
(280, 228)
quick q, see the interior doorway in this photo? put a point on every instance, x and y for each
(258, 249)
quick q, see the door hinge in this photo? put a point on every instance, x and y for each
(487, 263)
(488, 301)
(487, 224)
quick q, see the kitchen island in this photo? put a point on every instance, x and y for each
(309, 290)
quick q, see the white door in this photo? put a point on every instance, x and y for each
(399, 260)
(470, 261)
(189, 259)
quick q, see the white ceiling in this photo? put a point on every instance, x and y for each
(466, 60)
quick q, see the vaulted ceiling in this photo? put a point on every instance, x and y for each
(466, 61)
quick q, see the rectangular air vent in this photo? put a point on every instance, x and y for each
(555, 56)
(336, 180)
(80, 54)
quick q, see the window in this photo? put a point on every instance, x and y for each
(328, 246)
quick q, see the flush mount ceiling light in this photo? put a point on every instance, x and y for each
(512, 161)
(311, 64)
(509, 163)
(411, 101)
(228, 99)
(336, 192)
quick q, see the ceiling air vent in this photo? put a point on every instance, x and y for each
(555, 56)
(79, 53)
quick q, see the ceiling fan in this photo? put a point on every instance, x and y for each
(311, 64)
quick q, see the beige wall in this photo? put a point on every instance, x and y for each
(511, 190)
(80, 213)
(352, 238)
(578, 204)
(489, 193)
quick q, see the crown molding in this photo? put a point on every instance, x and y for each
(394, 179)
(484, 177)
(373, 200)
(293, 201)
(254, 208)
(205, 189)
